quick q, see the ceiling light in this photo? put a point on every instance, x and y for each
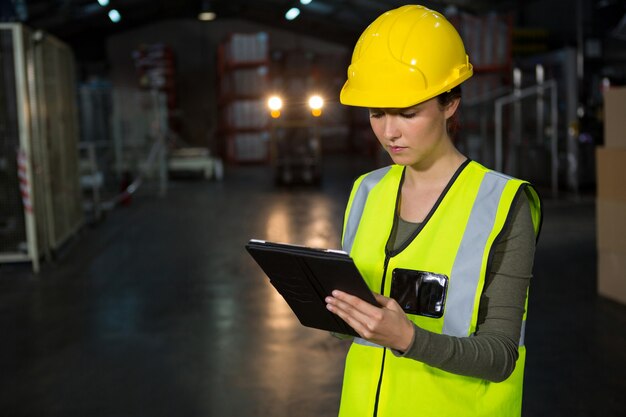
(115, 16)
(103, 3)
(206, 16)
(292, 13)
(305, 2)
(206, 12)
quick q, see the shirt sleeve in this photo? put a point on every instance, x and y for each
(491, 353)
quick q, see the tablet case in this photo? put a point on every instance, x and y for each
(306, 276)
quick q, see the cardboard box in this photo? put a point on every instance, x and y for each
(611, 222)
(614, 118)
(611, 225)
(611, 173)
(612, 275)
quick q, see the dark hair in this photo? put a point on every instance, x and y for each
(444, 99)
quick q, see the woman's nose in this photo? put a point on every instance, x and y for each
(391, 130)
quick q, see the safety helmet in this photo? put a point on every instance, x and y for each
(406, 56)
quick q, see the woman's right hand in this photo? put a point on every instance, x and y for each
(386, 325)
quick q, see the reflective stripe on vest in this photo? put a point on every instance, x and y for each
(358, 204)
(364, 342)
(470, 254)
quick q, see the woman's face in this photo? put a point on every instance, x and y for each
(413, 136)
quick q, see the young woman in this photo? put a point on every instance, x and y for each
(446, 244)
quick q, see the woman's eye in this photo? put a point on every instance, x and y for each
(408, 115)
(376, 115)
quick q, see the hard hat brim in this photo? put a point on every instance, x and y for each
(384, 98)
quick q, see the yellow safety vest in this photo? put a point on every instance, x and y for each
(456, 239)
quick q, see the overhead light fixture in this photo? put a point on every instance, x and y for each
(305, 2)
(292, 13)
(103, 3)
(206, 12)
(206, 16)
(115, 16)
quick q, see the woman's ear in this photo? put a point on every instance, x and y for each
(451, 108)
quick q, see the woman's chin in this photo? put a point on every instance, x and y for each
(401, 160)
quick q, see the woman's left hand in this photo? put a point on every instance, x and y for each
(386, 325)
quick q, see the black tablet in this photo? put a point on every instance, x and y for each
(305, 276)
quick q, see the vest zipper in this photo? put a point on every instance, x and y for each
(380, 381)
(382, 281)
(382, 365)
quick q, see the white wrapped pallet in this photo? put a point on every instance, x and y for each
(247, 114)
(486, 39)
(470, 32)
(251, 146)
(262, 46)
(249, 81)
(244, 48)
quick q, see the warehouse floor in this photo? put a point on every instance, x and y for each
(159, 311)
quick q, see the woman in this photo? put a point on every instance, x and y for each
(446, 243)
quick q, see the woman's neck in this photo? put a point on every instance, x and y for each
(422, 187)
(438, 170)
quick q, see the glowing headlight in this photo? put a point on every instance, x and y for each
(275, 103)
(316, 102)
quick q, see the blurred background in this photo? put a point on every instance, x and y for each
(142, 143)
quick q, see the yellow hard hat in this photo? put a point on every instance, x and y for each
(406, 56)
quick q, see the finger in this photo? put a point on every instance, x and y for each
(382, 300)
(348, 318)
(359, 309)
(346, 310)
(388, 303)
(364, 326)
(356, 302)
(364, 322)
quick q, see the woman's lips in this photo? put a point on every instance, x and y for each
(396, 149)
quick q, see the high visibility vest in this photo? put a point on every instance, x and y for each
(456, 239)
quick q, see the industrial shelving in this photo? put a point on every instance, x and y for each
(243, 65)
(488, 42)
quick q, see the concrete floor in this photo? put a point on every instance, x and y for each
(159, 311)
